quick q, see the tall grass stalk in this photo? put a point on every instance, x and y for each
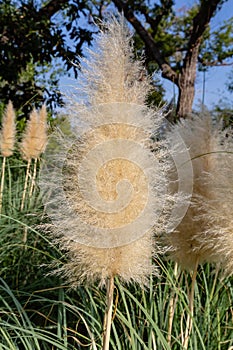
(33, 179)
(108, 314)
(172, 306)
(2, 181)
(41, 143)
(189, 322)
(26, 184)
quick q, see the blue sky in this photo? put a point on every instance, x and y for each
(215, 78)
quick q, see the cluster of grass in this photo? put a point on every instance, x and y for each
(177, 310)
(38, 312)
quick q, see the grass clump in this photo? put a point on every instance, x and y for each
(176, 310)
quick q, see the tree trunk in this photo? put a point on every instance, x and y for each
(186, 83)
(185, 100)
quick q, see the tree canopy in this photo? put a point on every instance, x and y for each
(40, 40)
(34, 48)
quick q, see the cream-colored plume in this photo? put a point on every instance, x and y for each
(218, 206)
(110, 73)
(35, 137)
(7, 138)
(108, 188)
(202, 234)
(7, 141)
(33, 144)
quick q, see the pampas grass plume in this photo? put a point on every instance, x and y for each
(205, 233)
(114, 87)
(35, 136)
(8, 131)
(33, 144)
(111, 73)
(107, 162)
(7, 140)
(218, 206)
(185, 248)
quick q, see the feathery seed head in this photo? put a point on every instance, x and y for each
(108, 189)
(35, 137)
(8, 131)
(107, 200)
(218, 206)
(110, 73)
(199, 237)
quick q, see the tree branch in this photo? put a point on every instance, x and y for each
(52, 7)
(161, 12)
(167, 71)
(201, 21)
(215, 63)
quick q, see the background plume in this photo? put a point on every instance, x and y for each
(199, 237)
(8, 131)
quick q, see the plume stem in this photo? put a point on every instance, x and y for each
(108, 314)
(33, 182)
(189, 323)
(2, 182)
(172, 305)
(214, 283)
(25, 184)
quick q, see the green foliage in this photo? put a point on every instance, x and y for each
(224, 111)
(218, 46)
(230, 82)
(20, 242)
(35, 50)
(38, 312)
(39, 42)
(155, 98)
(173, 34)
